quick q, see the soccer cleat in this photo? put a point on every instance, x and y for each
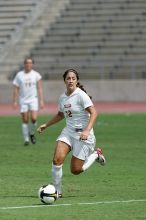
(32, 138)
(26, 143)
(101, 158)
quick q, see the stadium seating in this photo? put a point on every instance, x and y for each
(23, 31)
(102, 39)
(12, 15)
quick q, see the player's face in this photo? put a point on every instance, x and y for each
(28, 65)
(71, 82)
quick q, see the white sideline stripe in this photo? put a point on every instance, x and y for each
(84, 203)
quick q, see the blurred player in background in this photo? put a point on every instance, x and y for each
(28, 86)
(77, 108)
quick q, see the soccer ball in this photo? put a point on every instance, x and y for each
(47, 194)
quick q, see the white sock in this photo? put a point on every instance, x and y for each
(25, 131)
(90, 160)
(32, 127)
(57, 176)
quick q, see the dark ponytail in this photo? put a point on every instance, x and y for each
(77, 75)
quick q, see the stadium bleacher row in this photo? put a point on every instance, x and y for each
(101, 39)
(12, 15)
(23, 38)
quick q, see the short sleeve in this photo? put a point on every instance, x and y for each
(16, 81)
(60, 106)
(85, 100)
(38, 76)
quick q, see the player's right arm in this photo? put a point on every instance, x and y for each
(58, 117)
(15, 96)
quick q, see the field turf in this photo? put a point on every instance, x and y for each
(116, 191)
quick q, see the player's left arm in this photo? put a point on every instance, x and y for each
(40, 93)
(93, 115)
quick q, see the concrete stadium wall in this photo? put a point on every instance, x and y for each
(100, 90)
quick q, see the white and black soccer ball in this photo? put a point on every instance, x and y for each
(47, 194)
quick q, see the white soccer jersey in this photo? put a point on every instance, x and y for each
(27, 83)
(73, 107)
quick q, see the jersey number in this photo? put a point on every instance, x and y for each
(69, 113)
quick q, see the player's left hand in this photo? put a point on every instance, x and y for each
(84, 135)
(42, 104)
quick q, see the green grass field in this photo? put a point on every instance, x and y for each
(116, 191)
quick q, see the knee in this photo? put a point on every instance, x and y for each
(57, 161)
(76, 171)
(33, 120)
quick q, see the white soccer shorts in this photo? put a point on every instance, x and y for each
(32, 106)
(80, 149)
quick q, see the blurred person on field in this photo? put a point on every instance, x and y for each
(28, 88)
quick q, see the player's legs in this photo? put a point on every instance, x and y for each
(79, 165)
(25, 127)
(61, 151)
(84, 155)
(76, 165)
(33, 107)
(82, 152)
(33, 116)
(33, 125)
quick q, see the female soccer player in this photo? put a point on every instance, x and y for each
(77, 108)
(28, 86)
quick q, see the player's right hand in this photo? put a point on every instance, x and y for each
(41, 128)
